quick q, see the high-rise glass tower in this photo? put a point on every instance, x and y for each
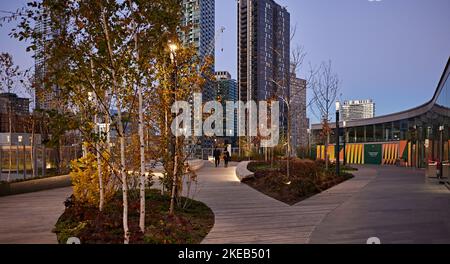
(47, 95)
(226, 91)
(263, 52)
(43, 97)
(199, 18)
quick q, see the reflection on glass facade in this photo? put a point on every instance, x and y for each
(413, 137)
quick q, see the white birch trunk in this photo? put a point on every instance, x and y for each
(121, 137)
(327, 157)
(141, 146)
(99, 167)
(175, 179)
(32, 152)
(10, 139)
(141, 135)
(289, 145)
(124, 176)
(97, 148)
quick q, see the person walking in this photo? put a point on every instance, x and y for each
(226, 157)
(217, 155)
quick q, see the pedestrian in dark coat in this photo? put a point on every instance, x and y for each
(217, 154)
(226, 157)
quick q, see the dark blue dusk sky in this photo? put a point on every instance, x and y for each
(392, 51)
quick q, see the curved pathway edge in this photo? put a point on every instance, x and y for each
(246, 216)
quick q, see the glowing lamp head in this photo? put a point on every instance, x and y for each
(338, 106)
(173, 47)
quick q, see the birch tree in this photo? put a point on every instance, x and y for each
(179, 76)
(287, 96)
(141, 120)
(147, 18)
(107, 24)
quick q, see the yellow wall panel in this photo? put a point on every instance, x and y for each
(389, 156)
(322, 152)
(331, 153)
(352, 153)
(347, 153)
(388, 153)
(396, 152)
(409, 154)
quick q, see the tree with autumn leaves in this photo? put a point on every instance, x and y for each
(113, 66)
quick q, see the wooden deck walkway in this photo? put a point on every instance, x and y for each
(244, 215)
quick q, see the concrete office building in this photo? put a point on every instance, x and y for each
(19, 112)
(20, 125)
(18, 105)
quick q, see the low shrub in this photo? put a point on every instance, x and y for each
(188, 226)
(306, 178)
(84, 176)
(253, 155)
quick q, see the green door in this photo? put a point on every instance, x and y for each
(373, 154)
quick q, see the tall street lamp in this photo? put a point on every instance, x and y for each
(344, 142)
(441, 150)
(308, 131)
(173, 47)
(338, 106)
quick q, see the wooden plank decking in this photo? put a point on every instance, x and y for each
(244, 215)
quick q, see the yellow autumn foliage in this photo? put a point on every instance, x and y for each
(84, 176)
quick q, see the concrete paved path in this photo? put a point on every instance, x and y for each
(398, 206)
(29, 218)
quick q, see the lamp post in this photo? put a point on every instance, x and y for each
(338, 106)
(344, 124)
(441, 150)
(173, 47)
(308, 131)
